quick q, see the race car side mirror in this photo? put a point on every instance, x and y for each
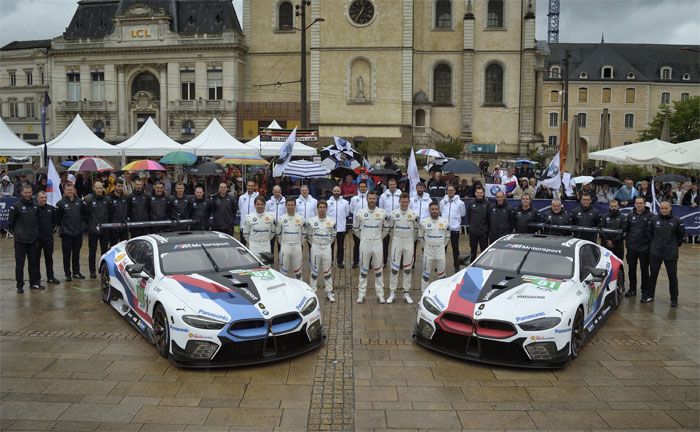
(464, 259)
(267, 258)
(597, 275)
(136, 271)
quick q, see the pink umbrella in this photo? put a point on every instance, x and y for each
(143, 165)
(91, 164)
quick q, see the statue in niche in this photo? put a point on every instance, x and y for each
(360, 95)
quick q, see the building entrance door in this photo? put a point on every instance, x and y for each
(141, 118)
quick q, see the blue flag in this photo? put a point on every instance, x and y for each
(285, 154)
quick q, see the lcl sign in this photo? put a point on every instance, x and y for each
(140, 33)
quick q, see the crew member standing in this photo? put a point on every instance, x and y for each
(97, 212)
(525, 215)
(138, 208)
(339, 210)
(320, 230)
(258, 228)
(71, 219)
(586, 216)
(158, 206)
(246, 204)
(615, 220)
(501, 218)
(47, 219)
(306, 204)
(201, 209)
(276, 206)
(223, 211)
(389, 201)
(433, 234)
(403, 224)
(118, 213)
(420, 202)
(556, 216)
(478, 219)
(290, 235)
(180, 204)
(24, 222)
(637, 234)
(371, 225)
(452, 209)
(666, 233)
(356, 203)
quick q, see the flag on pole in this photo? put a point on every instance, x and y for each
(551, 177)
(44, 106)
(285, 154)
(53, 181)
(412, 172)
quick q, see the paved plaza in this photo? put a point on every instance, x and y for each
(69, 362)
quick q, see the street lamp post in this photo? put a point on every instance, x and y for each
(301, 12)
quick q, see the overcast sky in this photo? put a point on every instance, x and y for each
(641, 21)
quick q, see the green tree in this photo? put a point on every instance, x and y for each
(450, 148)
(684, 121)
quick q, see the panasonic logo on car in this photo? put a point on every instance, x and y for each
(213, 315)
(527, 317)
(178, 329)
(560, 331)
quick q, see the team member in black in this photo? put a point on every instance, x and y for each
(501, 218)
(554, 217)
(138, 208)
(525, 215)
(23, 222)
(478, 219)
(47, 217)
(617, 221)
(637, 234)
(158, 206)
(223, 209)
(180, 204)
(666, 233)
(71, 217)
(201, 209)
(586, 215)
(118, 213)
(97, 208)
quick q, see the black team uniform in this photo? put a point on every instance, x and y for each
(23, 222)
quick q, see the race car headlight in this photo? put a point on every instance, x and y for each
(430, 306)
(310, 306)
(540, 324)
(201, 322)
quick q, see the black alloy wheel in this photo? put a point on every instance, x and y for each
(578, 334)
(105, 284)
(161, 331)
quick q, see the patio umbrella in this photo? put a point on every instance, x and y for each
(606, 180)
(91, 164)
(143, 165)
(342, 172)
(67, 163)
(241, 160)
(665, 131)
(179, 158)
(305, 169)
(436, 164)
(383, 172)
(583, 179)
(461, 166)
(206, 169)
(525, 161)
(604, 141)
(573, 154)
(19, 172)
(430, 152)
(668, 178)
(45, 170)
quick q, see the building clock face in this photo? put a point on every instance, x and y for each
(361, 11)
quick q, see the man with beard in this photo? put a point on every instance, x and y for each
(276, 206)
(403, 224)
(666, 233)
(339, 210)
(71, 217)
(138, 208)
(119, 213)
(223, 210)
(201, 209)
(290, 233)
(586, 216)
(47, 217)
(478, 219)
(433, 234)
(389, 201)
(452, 209)
(258, 228)
(501, 218)
(180, 204)
(637, 236)
(24, 223)
(358, 202)
(320, 230)
(97, 208)
(158, 206)
(526, 215)
(246, 204)
(554, 217)
(614, 220)
(371, 225)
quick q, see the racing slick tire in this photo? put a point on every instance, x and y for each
(619, 290)
(161, 330)
(578, 334)
(105, 285)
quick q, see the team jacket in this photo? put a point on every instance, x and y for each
(24, 222)
(453, 210)
(259, 227)
(278, 208)
(138, 206)
(320, 232)
(200, 211)
(158, 208)
(666, 234)
(71, 216)
(97, 208)
(370, 225)
(223, 211)
(523, 219)
(47, 218)
(552, 219)
(339, 210)
(637, 231)
(434, 233)
(421, 205)
(119, 208)
(180, 208)
(389, 201)
(617, 222)
(586, 217)
(478, 216)
(290, 229)
(403, 225)
(501, 220)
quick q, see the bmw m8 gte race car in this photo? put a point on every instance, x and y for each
(205, 301)
(528, 300)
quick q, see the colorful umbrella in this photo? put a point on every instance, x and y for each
(143, 165)
(241, 160)
(91, 164)
(305, 169)
(430, 152)
(67, 163)
(179, 158)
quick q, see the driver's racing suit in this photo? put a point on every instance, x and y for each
(321, 234)
(403, 226)
(258, 229)
(434, 234)
(372, 227)
(290, 234)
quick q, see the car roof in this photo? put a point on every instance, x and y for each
(177, 237)
(566, 244)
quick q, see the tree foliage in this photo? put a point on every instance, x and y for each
(684, 121)
(450, 148)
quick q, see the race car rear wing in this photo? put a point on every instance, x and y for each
(575, 228)
(174, 224)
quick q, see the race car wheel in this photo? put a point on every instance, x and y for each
(578, 334)
(105, 285)
(161, 331)
(619, 290)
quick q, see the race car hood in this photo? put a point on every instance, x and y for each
(499, 294)
(239, 294)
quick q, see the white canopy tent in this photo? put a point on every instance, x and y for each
(639, 153)
(685, 155)
(11, 145)
(77, 139)
(272, 148)
(150, 141)
(216, 141)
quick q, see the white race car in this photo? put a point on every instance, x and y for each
(528, 300)
(205, 301)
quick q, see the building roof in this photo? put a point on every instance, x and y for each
(95, 18)
(28, 44)
(643, 60)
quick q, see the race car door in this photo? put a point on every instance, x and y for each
(589, 259)
(141, 252)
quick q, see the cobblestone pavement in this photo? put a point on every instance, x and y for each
(68, 362)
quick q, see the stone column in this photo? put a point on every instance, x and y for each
(122, 101)
(163, 69)
(468, 76)
(528, 81)
(314, 100)
(407, 64)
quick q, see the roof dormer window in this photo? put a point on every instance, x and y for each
(555, 72)
(631, 76)
(666, 73)
(583, 75)
(686, 77)
(606, 72)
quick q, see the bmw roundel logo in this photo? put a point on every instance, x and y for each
(494, 190)
(477, 313)
(266, 312)
(255, 219)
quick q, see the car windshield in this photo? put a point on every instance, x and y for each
(527, 261)
(194, 260)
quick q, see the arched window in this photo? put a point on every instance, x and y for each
(493, 93)
(187, 128)
(420, 117)
(285, 16)
(606, 72)
(554, 96)
(582, 119)
(555, 72)
(666, 73)
(495, 14)
(442, 84)
(98, 127)
(443, 14)
(145, 81)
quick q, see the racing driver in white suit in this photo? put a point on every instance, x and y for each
(290, 235)
(372, 226)
(434, 234)
(320, 230)
(403, 224)
(259, 228)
